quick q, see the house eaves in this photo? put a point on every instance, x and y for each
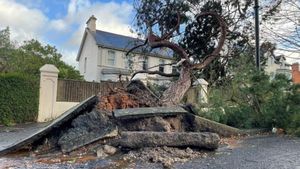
(81, 45)
(138, 53)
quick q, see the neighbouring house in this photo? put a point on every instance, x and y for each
(102, 57)
(295, 73)
(278, 65)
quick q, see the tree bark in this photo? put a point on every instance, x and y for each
(172, 139)
(174, 94)
(144, 112)
(200, 124)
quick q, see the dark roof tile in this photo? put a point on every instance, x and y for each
(121, 42)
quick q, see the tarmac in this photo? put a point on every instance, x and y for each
(14, 134)
(255, 152)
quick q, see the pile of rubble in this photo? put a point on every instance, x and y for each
(131, 122)
(165, 155)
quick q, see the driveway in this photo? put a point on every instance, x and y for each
(257, 152)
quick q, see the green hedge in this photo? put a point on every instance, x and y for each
(18, 98)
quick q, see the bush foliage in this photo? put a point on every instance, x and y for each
(255, 101)
(19, 98)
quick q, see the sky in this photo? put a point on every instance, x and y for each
(61, 23)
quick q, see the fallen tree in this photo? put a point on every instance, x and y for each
(172, 139)
(168, 26)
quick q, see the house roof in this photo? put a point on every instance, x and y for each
(108, 39)
(121, 42)
(124, 43)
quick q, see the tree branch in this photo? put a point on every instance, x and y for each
(169, 34)
(166, 64)
(156, 72)
(215, 53)
(156, 42)
(127, 53)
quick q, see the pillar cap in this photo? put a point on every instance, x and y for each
(49, 68)
(200, 82)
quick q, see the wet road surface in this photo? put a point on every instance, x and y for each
(258, 152)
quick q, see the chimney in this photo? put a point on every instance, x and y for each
(295, 73)
(91, 23)
(295, 67)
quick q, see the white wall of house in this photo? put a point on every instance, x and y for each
(88, 58)
(273, 68)
(121, 62)
(93, 58)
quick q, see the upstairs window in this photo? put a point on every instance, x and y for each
(111, 58)
(145, 63)
(161, 65)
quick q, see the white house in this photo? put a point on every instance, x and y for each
(278, 65)
(102, 56)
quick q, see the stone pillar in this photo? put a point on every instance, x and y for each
(201, 85)
(48, 91)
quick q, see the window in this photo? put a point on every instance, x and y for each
(84, 66)
(145, 63)
(111, 58)
(161, 65)
(174, 69)
(126, 63)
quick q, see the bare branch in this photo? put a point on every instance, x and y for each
(166, 64)
(127, 53)
(156, 42)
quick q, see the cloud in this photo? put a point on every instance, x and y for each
(77, 5)
(24, 23)
(283, 23)
(291, 56)
(58, 25)
(28, 19)
(112, 17)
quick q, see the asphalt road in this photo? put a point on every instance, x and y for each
(265, 152)
(12, 135)
(259, 152)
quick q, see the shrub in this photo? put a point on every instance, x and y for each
(19, 98)
(293, 107)
(258, 103)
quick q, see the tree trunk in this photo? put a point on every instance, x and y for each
(136, 139)
(174, 94)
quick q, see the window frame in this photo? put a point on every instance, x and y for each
(145, 63)
(111, 57)
(161, 67)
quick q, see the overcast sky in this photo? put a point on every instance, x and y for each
(61, 23)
